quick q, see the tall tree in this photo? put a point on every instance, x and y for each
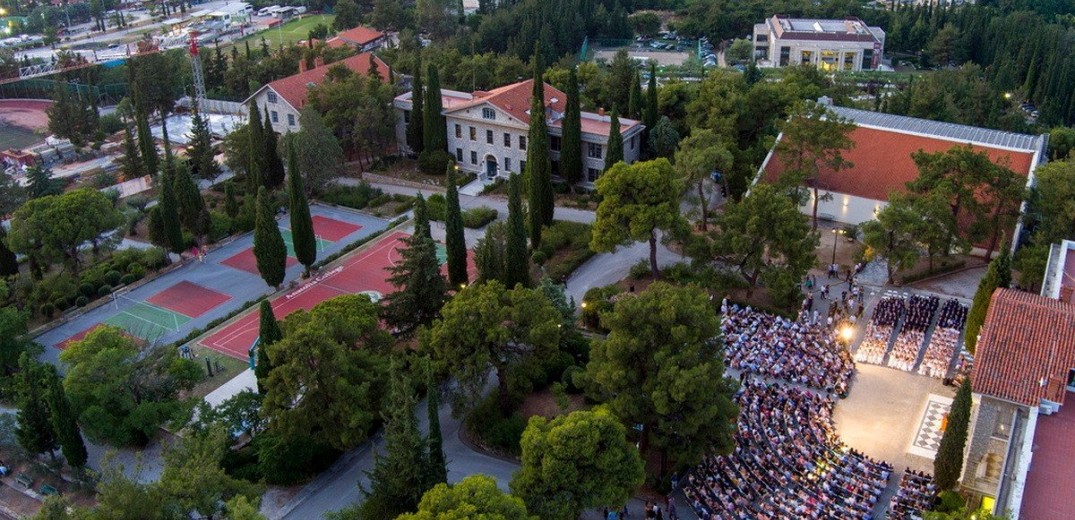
(438, 465)
(663, 139)
(571, 141)
(168, 209)
(40, 182)
(302, 224)
(813, 139)
(388, 15)
(64, 424)
(634, 97)
(698, 156)
(268, 333)
(319, 152)
(614, 147)
(650, 114)
(70, 117)
(193, 482)
(637, 201)
(420, 288)
(576, 462)
(348, 15)
(9, 263)
(657, 369)
(191, 207)
(269, 248)
(516, 261)
(454, 241)
(202, 156)
(541, 201)
(488, 327)
(997, 275)
(476, 496)
(421, 217)
(273, 174)
(894, 234)
(399, 476)
(435, 129)
(416, 125)
(34, 431)
(490, 251)
(57, 228)
(255, 169)
(231, 200)
(948, 464)
(131, 163)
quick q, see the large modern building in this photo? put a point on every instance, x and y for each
(285, 97)
(829, 45)
(487, 130)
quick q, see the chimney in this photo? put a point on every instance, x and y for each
(302, 66)
(319, 62)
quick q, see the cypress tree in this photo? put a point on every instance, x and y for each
(435, 131)
(415, 127)
(273, 174)
(614, 152)
(131, 163)
(571, 142)
(649, 111)
(192, 211)
(201, 146)
(516, 261)
(999, 271)
(634, 97)
(254, 170)
(399, 476)
(231, 202)
(489, 253)
(454, 240)
(146, 143)
(948, 463)
(171, 229)
(268, 333)
(420, 286)
(269, 249)
(64, 423)
(34, 428)
(539, 169)
(302, 225)
(421, 217)
(9, 263)
(438, 466)
(40, 182)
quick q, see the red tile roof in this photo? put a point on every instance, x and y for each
(882, 162)
(294, 89)
(360, 35)
(1025, 349)
(1053, 465)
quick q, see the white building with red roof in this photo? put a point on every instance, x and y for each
(487, 130)
(285, 97)
(362, 38)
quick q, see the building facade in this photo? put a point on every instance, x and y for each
(487, 130)
(830, 45)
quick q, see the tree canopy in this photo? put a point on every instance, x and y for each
(476, 496)
(54, 228)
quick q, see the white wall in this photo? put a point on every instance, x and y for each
(844, 208)
(282, 109)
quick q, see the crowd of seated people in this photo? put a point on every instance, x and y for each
(879, 331)
(909, 341)
(798, 352)
(915, 495)
(788, 464)
(945, 340)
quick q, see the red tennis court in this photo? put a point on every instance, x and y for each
(245, 261)
(188, 299)
(79, 336)
(333, 230)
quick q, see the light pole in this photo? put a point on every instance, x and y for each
(835, 238)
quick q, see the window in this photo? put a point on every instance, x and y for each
(458, 132)
(522, 142)
(593, 151)
(275, 117)
(272, 97)
(807, 57)
(785, 56)
(554, 143)
(406, 117)
(473, 134)
(507, 164)
(522, 166)
(867, 59)
(473, 157)
(592, 173)
(634, 142)
(458, 155)
(489, 137)
(488, 113)
(291, 120)
(507, 140)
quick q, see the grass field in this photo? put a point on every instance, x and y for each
(15, 137)
(289, 32)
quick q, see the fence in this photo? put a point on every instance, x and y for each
(46, 89)
(216, 106)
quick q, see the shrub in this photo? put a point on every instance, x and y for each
(128, 279)
(81, 301)
(434, 162)
(154, 258)
(113, 276)
(104, 180)
(640, 270)
(60, 304)
(87, 289)
(220, 226)
(596, 301)
(569, 380)
(136, 270)
(110, 123)
(478, 217)
(436, 207)
(47, 309)
(104, 290)
(488, 424)
(357, 197)
(539, 257)
(380, 200)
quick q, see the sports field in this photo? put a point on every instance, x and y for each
(289, 32)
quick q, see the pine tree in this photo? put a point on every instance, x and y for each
(268, 333)
(516, 261)
(999, 271)
(571, 142)
(231, 201)
(9, 263)
(438, 466)
(416, 125)
(435, 131)
(948, 464)
(64, 423)
(454, 240)
(40, 182)
(421, 217)
(171, 230)
(34, 428)
(420, 287)
(302, 225)
(539, 169)
(255, 133)
(649, 111)
(398, 478)
(614, 151)
(192, 211)
(269, 249)
(131, 163)
(201, 147)
(634, 97)
(273, 174)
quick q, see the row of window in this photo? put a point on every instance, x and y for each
(276, 118)
(489, 137)
(474, 160)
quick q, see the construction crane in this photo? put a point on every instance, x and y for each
(196, 68)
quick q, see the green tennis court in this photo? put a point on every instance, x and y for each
(289, 241)
(442, 254)
(146, 321)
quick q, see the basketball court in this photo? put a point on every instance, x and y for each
(245, 261)
(188, 299)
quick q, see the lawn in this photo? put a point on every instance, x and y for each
(290, 32)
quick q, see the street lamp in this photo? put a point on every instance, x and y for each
(835, 238)
(847, 333)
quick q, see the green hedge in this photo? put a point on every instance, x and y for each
(477, 218)
(357, 197)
